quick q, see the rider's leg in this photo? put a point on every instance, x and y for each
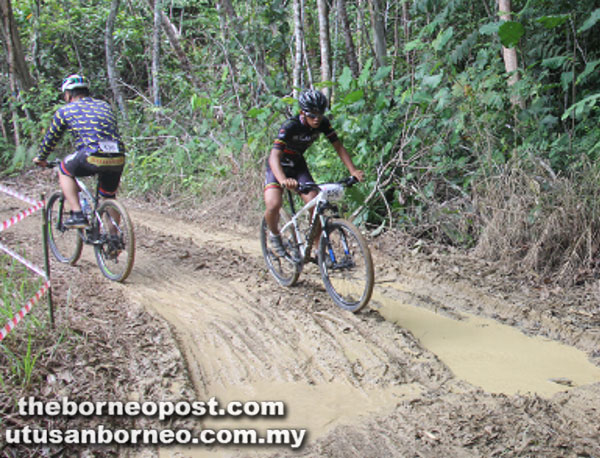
(273, 202)
(307, 198)
(69, 187)
(108, 183)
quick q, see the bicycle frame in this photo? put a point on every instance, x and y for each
(89, 235)
(305, 243)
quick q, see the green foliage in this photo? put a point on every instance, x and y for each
(17, 352)
(438, 117)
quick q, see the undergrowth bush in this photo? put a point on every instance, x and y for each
(536, 221)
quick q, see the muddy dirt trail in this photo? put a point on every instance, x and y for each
(435, 366)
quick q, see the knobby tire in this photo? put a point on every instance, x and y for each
(346, 265)
(115, 252)
(65, 244)
(284, 269)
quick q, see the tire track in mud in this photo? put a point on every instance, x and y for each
(362, 386)
(243, 335)
(350, 379)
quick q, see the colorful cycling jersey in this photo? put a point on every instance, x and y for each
(295, 137)
(93, 125)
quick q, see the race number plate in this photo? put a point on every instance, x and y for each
(109, 147)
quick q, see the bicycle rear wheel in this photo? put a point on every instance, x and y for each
(65, 243)
(346, 265)
(115, 247)
(285, 269)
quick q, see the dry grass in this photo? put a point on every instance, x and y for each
(535, 221)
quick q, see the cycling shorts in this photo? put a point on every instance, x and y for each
(108, 168)
(294, 167)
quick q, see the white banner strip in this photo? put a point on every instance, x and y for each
(24, 261)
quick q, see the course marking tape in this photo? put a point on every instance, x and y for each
(13, 193)
(21, 216)
(24, 261)
(24, 311)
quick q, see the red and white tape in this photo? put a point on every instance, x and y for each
(21, 216)
(18, 195)
(24, 311)
(5, 225)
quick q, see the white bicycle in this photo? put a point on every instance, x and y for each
(343, 255)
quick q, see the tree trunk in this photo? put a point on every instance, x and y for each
(378, 31)
(408, 54)
(15, 56)
(156, 53)
(111, 69)
(35, 40)
(350, 50)
(511, 63)
(225, 12)
(364, 42)
(324, 43)
(171, 33)
(299, 38)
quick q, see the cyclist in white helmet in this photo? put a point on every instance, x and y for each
(100, 150)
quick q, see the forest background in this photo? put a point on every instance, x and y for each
(475, 120)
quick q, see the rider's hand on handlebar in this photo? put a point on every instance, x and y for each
(359, 175)
(40, 162)
(290, 183)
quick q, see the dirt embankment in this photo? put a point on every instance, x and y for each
(430, 369)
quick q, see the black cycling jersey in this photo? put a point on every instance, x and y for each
(295, 137)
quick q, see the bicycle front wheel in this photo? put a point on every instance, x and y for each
(346, 265)
(285, 269)
(65, 243)
(115, 246)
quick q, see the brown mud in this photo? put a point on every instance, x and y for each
(452, 357)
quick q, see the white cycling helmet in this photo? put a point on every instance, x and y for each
(74, 82)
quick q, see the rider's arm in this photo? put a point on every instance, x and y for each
(275, 164)
(347, 160)
(53, 134)
(277, 169)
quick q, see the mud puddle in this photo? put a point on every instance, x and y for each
(495, 357)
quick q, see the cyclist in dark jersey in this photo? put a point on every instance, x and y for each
(99, 147)
(286, 166)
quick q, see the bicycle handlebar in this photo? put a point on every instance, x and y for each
(53, 163)
(307, 187)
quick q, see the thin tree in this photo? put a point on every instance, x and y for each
(156, 53)
(299, 39)
(378, 25)
(323, 11)
(511, 63)
(350, 50)
(113, 74)
(18, 74)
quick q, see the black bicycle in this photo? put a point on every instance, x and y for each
(110, 231)
(343, 255)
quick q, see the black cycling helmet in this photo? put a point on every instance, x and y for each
(312, 101)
